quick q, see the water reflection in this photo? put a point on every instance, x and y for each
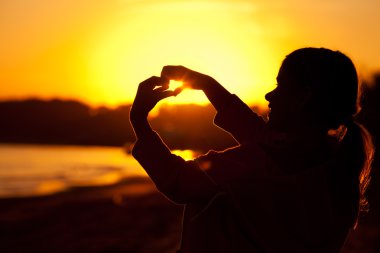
(39, 170)
(186, 154)
(30, 170)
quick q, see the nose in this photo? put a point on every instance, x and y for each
(268, 96)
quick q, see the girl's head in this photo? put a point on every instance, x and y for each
(316, 86)
(318, 89)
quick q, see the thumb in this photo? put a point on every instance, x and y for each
(174, 72)
(166, 94)
(177, 91)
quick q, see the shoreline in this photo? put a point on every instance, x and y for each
(129, 216)
(127, 186)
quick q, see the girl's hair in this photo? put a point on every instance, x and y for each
(335, 102)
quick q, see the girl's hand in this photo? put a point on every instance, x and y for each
(149, 93)
(190, 78)
(215, 92)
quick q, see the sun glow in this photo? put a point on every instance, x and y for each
(218, 43)
(173, 85)
(99, 51)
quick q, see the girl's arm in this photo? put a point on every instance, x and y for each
(180, 181)
(233, 115)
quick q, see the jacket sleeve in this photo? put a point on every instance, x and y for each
(179, 180)
(240, 121)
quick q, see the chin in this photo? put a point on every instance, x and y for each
(270, 122)
(275, 124)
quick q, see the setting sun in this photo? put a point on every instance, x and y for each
(173, 85)
(165, 33)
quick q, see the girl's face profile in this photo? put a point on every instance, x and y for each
(286, 102)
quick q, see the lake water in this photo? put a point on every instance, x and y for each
(31, 170)
(39, 170)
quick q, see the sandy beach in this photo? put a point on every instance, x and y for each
(128, 217)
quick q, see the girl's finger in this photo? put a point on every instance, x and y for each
(177, 91)
(154, 81)
(174, 72)
(165, 94)
(161, 88)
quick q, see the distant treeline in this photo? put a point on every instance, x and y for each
(62, 122)
(181, 126)
(74, 123)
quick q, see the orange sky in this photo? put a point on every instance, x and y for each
(98, 51)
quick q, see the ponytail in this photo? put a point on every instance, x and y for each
(356, 155)
(366, 147)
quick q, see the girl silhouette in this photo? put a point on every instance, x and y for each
(295, 183)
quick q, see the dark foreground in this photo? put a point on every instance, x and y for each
(129, 217)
